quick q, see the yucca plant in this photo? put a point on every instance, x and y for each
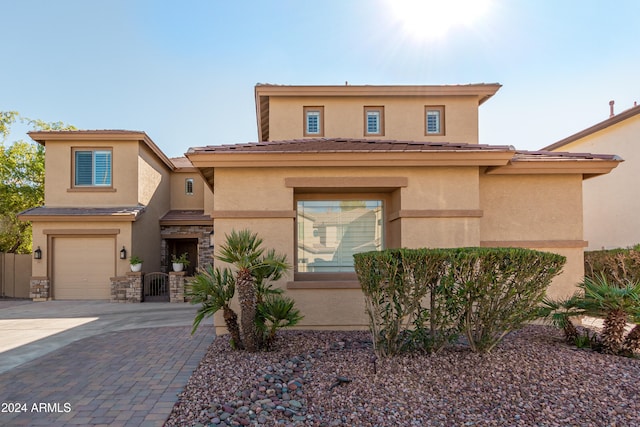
(214, 289)
(243, 250)
(615, 302)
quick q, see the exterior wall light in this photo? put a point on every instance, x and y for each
(123, 253)
(37, 254)
(211, 239)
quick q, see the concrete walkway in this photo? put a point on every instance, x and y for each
(95, 363)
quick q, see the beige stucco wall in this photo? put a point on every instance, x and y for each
(439, 207)
(403, 117)
(542, 210)
(612, 201)
(59, 175)
(181, 200)
(154, 190)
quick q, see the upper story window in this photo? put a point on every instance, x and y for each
(374, 121)
(313, 121)
(92, 168)
(434, 120)
(188, 186)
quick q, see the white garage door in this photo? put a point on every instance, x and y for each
(82, 267)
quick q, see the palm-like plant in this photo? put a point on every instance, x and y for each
(214, 289)
(243, 250)
(560, 313)
(615, 303)
(275, 312)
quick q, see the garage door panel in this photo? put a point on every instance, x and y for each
(82, 267)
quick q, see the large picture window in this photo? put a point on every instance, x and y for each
(92, 168)
(331, 231)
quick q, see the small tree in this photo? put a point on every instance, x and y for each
(255, 268)
(21, 181)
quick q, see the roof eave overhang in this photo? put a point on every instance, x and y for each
(350, 159)
(586, 168)
(42, 137)
(594, 129)
(77, 218)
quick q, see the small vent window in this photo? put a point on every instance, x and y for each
(188, 186)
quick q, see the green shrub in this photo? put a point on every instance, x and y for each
(424, 298)
(617, 265)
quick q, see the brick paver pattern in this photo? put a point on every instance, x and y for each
(126, 378)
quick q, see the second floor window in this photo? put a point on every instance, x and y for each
(188, 186)
(374, 120)
(313, 121)
(92, 168)
(434, 120)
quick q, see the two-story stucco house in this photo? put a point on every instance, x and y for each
(611, 203)
(338, 170)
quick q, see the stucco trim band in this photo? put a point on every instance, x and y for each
(253, 214)
(534, 244)
(436, 213)
(340, 182)
(99, 231)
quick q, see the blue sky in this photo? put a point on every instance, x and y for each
(184, 71)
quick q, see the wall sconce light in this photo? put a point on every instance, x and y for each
(211, 239)
(123, 253)
(37, 254)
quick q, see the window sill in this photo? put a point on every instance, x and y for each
(91, 190)
(324, 284)
(324, 281)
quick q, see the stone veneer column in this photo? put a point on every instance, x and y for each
(39, 288)
(136, 283)
(176, 286)
(127, 288)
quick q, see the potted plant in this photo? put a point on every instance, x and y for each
(179, 263)
(135, 263)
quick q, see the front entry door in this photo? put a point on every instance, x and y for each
(190, 246)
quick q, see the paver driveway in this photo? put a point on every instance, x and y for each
(115, 370)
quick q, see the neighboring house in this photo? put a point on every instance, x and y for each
(612, 202)
(338, 170)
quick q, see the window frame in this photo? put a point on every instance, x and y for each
(305, 122)
(380, 111)
(440, 110)
(188, 186)
(93, 185)
(326, 197)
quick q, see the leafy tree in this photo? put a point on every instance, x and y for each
(21, 180)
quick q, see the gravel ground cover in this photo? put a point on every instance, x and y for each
(319, 378)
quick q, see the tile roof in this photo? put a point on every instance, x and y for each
(111, 211)
(324, 145)
(186, 215)
(546, 156)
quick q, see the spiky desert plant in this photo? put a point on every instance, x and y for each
(559, 313)
(614, 302)
(213, 289)
(276, 312)
(243, 249)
